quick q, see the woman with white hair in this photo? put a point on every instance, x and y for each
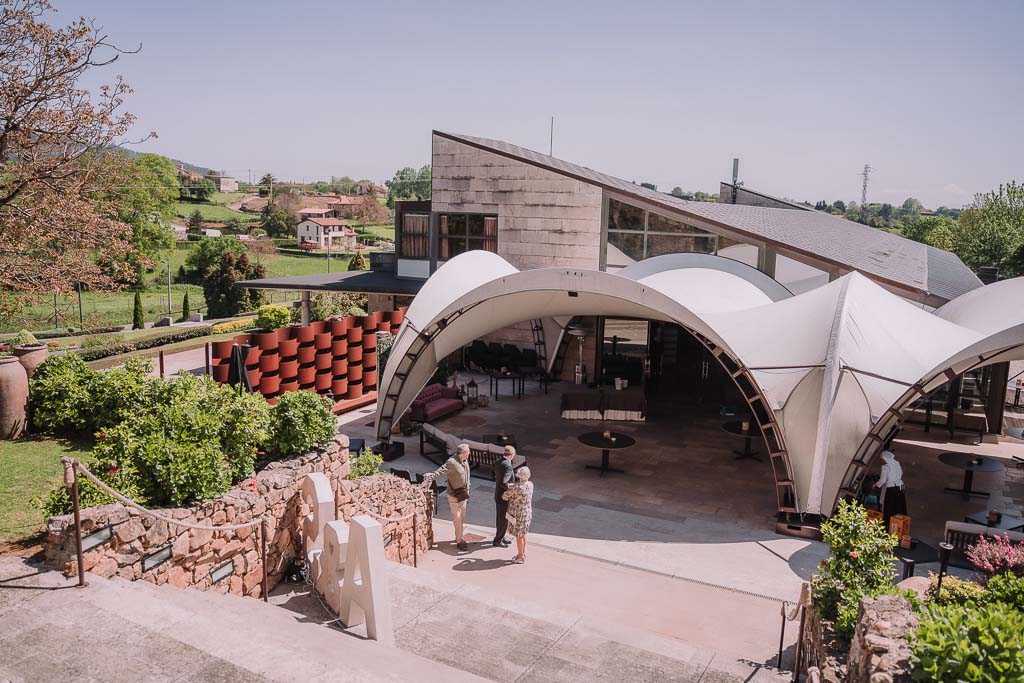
(520, 510)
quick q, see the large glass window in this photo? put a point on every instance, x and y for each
(635, 233)
(461, 232)
(415, 236)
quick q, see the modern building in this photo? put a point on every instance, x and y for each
(224, 183)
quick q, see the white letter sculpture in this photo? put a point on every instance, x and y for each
(347, 562)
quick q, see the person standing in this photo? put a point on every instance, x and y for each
(890, 481)
(456, 468)
(503, 476)
(520, 511)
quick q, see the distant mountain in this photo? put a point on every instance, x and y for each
(199, 170)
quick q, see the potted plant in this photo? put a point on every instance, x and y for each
(29, 351)
(268, 319)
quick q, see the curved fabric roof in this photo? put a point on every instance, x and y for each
(829, 362)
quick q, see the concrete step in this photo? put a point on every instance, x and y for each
(121, 630)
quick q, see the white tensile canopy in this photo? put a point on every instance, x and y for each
(829, 363)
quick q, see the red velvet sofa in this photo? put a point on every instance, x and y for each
(435, 401)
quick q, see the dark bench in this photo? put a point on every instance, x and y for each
(962, 535)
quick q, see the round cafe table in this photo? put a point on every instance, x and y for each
(735, 427)
(1015, 432)
(967, 463)
(616, 442)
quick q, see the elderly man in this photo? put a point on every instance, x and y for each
(503, 477)
(456, 468)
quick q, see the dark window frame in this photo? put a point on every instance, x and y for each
(471, 242)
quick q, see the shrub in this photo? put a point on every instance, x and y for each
(997, 556)
(138, 321)
(1005, 588)
(860, 564)
(358, 262)
(119, 393)
(957, 643)
(234, 325)
(24, 338)
(58, 501)
(954, 591)
(186, 309)
(384, 344)
(365, 464)
(60, 395)
(245, 429)
(271, 317)
(105, 351)
(300, 421)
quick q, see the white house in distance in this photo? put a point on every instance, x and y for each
(319, 233)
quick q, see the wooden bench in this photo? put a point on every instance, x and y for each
(962, 535)
(437, 446)
(482, 458)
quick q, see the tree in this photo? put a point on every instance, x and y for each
(195, 220)
(369, 211)
(921, 229)
(223, 299)
(145, 198)
(57, 225)
(409, 183)
(200, 190)
(992, 228)
(649, 186)
(186, 310)
(678, 192)
(278, 223)
(138, 320)
(267, 184)
(202, 260)
(911, 206)
(358, 262)
(821, 205)
(885, 211)
(234, 225)
(839, 205)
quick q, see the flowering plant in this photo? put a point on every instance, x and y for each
(997, 556)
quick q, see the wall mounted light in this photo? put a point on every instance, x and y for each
(222, 572)
(388, 538)
(96, 538)
(157, 558)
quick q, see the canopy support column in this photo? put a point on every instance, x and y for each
(305, 308)
(995, 403)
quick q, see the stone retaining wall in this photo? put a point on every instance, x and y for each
(195, 553)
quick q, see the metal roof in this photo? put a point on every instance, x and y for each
(366, 281)
(890, 259)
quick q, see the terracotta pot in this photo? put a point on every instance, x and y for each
(395, 329)
(289, 385)
(369, 359)
(339, 387)
(323, 361)
(267, 341)
(354, 391)
(339, 367)
(306, 354)
(304, 334)
(255, 376)
(339, 326)
(270, 362)
(323, 341)
(272, 400)
(252, 358)
(355, 373)
(220, 373)
(13, 397)
(369, 341)
(397, 317)
(384, 327)
(339, 347)
(355, 336)
(288, 348)
(357, 320)
(30, 356)
(285, 333)
(372, 320)
(323, 382)
(288, 369)
(243, 339)
(318, 326)
(355, 354)
(221, 349)
(370, 379)
(270, 384)
(306, 374)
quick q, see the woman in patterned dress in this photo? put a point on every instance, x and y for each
(520, 510)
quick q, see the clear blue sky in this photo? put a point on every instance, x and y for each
(931, 94)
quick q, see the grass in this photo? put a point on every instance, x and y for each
(214, 213)
(31, 468)
(385, 231)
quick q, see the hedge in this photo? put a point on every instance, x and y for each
(234, 325)
(72, 332)
(170, 337)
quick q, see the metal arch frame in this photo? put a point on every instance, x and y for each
(887, 426)
(760, 408)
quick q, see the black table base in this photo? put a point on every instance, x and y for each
(747, 453)
(967, 490)
(603, 467)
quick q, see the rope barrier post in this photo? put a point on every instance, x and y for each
(207, 358)
(782, 635)
(264, 530)
(71, 477)
(161, 363)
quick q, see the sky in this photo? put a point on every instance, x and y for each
(930, 94)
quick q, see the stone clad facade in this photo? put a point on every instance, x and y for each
(276, 494)
(544, 219)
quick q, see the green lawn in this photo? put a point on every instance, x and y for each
(31, 467)
(226, 197)
(385, 231)
(215, 213)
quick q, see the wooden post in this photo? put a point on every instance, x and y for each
(208, 358)
(161, 363)
(71, 473)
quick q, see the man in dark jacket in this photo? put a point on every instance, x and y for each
(503, 476)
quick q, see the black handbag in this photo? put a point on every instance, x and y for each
(460, 494)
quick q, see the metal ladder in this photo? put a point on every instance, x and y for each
(538, 342)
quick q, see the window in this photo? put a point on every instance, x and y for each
(635, 234)
(415, 239)
(462, 232)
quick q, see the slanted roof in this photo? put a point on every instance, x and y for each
(328, 222)
(315, 210)
(894, 261)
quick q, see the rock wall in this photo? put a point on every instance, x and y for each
(880, 651)
(273, 492)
